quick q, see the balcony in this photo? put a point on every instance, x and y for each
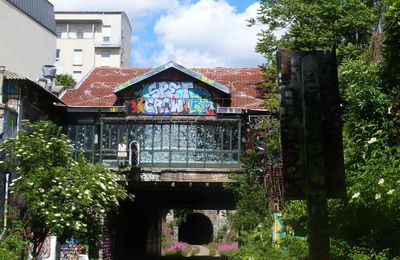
(108, 44)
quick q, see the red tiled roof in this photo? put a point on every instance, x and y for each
(97, 88)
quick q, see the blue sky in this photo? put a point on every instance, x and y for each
(194, 33)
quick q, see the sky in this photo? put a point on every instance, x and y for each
(193, 33)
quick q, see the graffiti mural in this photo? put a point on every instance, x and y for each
(71, 250)
(166, 98)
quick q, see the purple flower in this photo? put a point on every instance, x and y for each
(228, 247)
(180, 246)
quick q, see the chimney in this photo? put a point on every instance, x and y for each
(49, 74)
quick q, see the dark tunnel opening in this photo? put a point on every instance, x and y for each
(197, 230)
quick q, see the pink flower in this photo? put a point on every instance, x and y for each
(228, 247)
(180, 246)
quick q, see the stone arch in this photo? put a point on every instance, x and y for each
(197, 230)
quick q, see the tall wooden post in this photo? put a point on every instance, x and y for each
(312, 148)
(317, 213)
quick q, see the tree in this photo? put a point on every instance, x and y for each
(370, 97)
(63, 197)
(316, 25)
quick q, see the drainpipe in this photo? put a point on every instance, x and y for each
(2, 112)
(5, 207)
(2, 70)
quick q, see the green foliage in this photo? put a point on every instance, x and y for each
(65, 80)
(371, 96)
(315, 25)
(63, 197)
(251, 205)
(391, 55)
(195, 251)
(257, 243)
(12, 246)
(181, 215)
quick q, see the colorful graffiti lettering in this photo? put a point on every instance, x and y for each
(124, 85)
(43, 248)
(206, 80)
(71, 250)
(165, 98)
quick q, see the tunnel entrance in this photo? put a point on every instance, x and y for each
(197, 230)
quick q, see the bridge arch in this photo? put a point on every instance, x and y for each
(197, 230)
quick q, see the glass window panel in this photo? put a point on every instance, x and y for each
(183, 137)
(106, 137)
(89, 138)
(72, 135)
(174, 137)
(161, 157)
(140, 135)
(230, 157)
(227, 138)
(200, 137)
(235, 137)
(196, 157)
(157, 137)
(178, 157)
(114, 137)
(192, 137)
(218, 137)
(123, 135)
(213, 158)
(146, 156)
(210, 141)
(148, 137)
(132, 133)
(165, 137)
(80, 137)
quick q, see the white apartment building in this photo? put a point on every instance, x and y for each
(92, 39)
(28, 36)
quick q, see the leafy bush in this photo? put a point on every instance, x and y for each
(13, 246)
(65, 80)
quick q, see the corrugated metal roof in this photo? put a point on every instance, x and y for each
(12, 75)
(97, 89)
(42, 11)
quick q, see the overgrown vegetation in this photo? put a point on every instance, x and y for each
(63, 197)
(13, 246)
(370, 89)
(65, 80)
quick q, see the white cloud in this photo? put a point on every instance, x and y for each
(208, 33)
(131, 7)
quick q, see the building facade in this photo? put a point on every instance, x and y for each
(28, 33)
(92, 39)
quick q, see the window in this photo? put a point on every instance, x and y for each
(106, 39)
(57, 54)
(106, 33)
(77, 56)
(105, 58)
(79, 33)
(77, 75)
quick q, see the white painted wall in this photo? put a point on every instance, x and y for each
(92, 43)
(25, 45)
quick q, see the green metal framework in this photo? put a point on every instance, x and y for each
(206, 144)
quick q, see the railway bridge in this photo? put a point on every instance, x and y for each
(176, 133)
